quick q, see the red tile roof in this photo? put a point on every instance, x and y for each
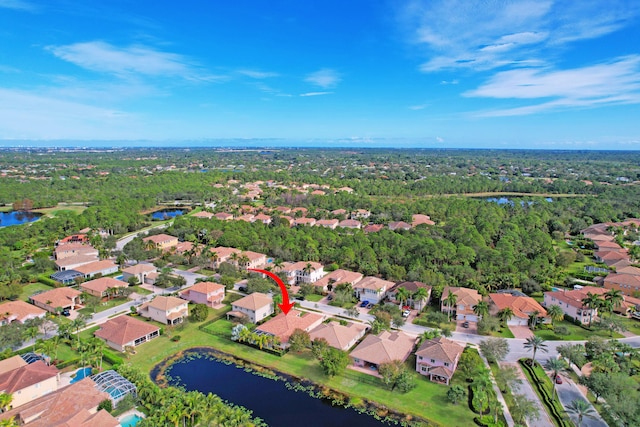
(25, 376)
(124, 329)
(522, 307)
(283, 325)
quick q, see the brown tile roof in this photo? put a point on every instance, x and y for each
(607, 244)
(166, 303)
(58, 408)
(373, 228)
(20, 311)
(139, 268)
(374, 283)
(635, 271)
(412, 286)
(418, 219)
(622, 279)
(301, 265)
(253, 302)
(339, 276)
(467, 297)
(349, 223)
(338, 336)
(441, 349)
(223, 216)
(574, 297)
(305, 221)
(339, 212)
(521, 306)
(204, 288)
(224, 252)
(124, 329)
(283, 325)
(327, 222)
(11, 363)
(58, 297)
(399, 225)
(76, 259)
(203, 214)
(96, 266)
(25, 376)
(160, 238)
(253, 255)
(102, 284)
(384, 347)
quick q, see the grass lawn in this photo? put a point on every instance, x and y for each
(314, 297)
(206, 272)
(427, 400)
(632, 325)
(105, 305)
(576, 333)
(31, 288)
(503, 332)
(140, 291)
(76, 209)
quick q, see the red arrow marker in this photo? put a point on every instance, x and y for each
(286, 305)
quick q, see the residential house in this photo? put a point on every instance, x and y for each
(166, 310)
(223, 254)
(571, 302)
(265, 219)
(419, 219)
(385, 347)
(611, 257)
(123, 331)
(249, 260)
(74, 249)
(305, 221)
(162, 241)
(339, 336)
(256, 307)
(100, 287)
(73, 262)
(318, 193)
(29, 382)
(283, 325)
(57, 299)
(303, 272)
(412, 288)
(208, 293)
(67, 277)
(289, 220)
(246, 218)
(466, 299)
(438, 359)
(345, 189)
(339, 212)
(626, 283)
(350, 223)
(337, 277)
(523, 308)
(74, 238)
(399, 225)
(103, 268)
(224, 216)
(19, 311)
(327, 223)
(360, 213)
(203, 214)
(373, 228)
(139, 271)
(13, 362)
(372, 289)
(283, 210)
(74, 405)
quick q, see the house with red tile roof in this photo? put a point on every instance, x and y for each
(224, 216)
(337, 277)
(305, 221)
(283, 325)
(385, 347)
(350, 223)
(255, 307)
(399, 225)
(29, 382)
(342, 337)
(74, 249)
(571, 302)
(522, 306)
(412, 288)
(626, 283)
(57, 299)
(419, 219)
(327, 223)
(103, 268)
(339, 212)
(99, 287)
(166, 310)
(372, 289)
(203, 214)
(223, 254)
(208, 293)
(75, 261)
(13, 362)
(466, 300)
(74, 405)
(265, 219)
(438, 359)
(373, 228)
(162, 241)
(19, 311)
(139, 271)
(74, 238)
(122, 331)
(360, 213)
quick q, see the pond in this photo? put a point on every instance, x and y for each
(166, 214)
(268, 399)
(508, 201)
(17, 218)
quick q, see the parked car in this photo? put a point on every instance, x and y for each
(465, 324)
(406, 313)
(558, 379)
(369, 305)
(65, 313)
(329, 297)
(364, 303)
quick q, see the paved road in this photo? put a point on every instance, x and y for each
(123, 241)
(567, 392)
(525, 388)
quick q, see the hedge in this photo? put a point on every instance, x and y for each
(112, 358)
(552, 405)
(44, 279)
(68, 363)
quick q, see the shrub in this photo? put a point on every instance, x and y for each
(112, 358)
(561, 330)
(175, 338)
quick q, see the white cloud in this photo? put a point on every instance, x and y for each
(439, 139)
(255, 74)
(326, 78)
(418, 107)
(127, 61)
(616, 82)
(18, 5)
(315, 93)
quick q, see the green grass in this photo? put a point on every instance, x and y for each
(576, 333)
(503, 332)
(632, 325)
(31, 288)
(105, 305)
(427, 400)
(140, 290)
(75, 209)
(206, 272)
(314, 297)
(548, 386)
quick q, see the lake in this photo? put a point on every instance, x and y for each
(268, 399)
(17, 218)
(507, 200)
(167, 214)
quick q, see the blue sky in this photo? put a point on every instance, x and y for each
(512, 74)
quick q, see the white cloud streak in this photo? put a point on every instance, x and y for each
(258, 75)
(325, 78)
(315, 93)
(17, 5)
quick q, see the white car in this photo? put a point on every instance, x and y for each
(406, 313)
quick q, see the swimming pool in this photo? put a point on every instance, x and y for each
(81, 374)
(130, 420)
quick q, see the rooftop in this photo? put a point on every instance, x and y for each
(254, 301)
(124, 329)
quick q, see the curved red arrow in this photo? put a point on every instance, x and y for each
(286, 305)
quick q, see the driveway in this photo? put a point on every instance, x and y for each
(472, 329)
(521, 332)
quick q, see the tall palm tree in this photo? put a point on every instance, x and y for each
(592, 302)
(555, 313)
(481, 309)
(402, 295)
(615, 297)
(555, 365)
(419, 297)
(5, 401)
(308, 269)
(278, 264)
(580, 408)
(9, 422)
(213, 257)
(32, 333)
(534, 344)
(533, 319)
(505, 314)
(450, 300)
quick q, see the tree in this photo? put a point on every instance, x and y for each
(106, 405)
(469, 364)
(5, 401)
(574, 353)
(524, 409)
(580, 408)
(334, 361)
(506, 377)
(494, 349)
(91, 301)
(481, 309)
(611, 324)
(450, 300)
(505, 315)
(318, 347)
(402, 296)
(555, 313)
(534, 344)
(31, 333)
(419, 298)
(533, 319)
(555, 366)
(456, 393)
(614, 297)
(598, 382)
(395, 374)
(299, 340)
(198, 313)
(592, 302)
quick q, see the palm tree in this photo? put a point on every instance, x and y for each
(278, 264)
(5, 401)
(592, 302)
(234, 258)
(244, 261)
(402, 295)
(8, 422)
(31, 333)
(77, 324)
(555, 313)
(580, 408)
(535, 343)
(450, 300)
(48, 347)
(481, 309)
(555, 365)
(615, 297)
(213, 257)
(533, 319)
(419, 297)
(505, 314)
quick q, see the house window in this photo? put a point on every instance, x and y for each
(433, 361)
(446, 364)
(423, 369)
